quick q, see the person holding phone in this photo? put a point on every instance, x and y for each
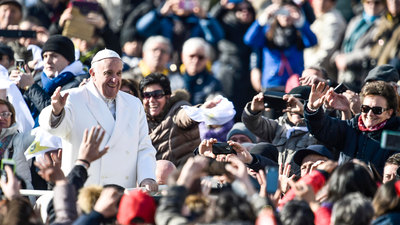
(283, 33)
(288, 133)
(359, 137)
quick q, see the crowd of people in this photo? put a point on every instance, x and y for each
(200, 112)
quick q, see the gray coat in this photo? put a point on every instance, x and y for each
(276, 131)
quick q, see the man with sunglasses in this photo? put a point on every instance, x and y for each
(173, 133)
(130, 160)
(359, 137)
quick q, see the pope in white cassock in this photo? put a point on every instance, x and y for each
(130, 160)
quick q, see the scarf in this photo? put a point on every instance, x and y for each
(363, 128)
(65, 76)
(359, 30)
(50, 84)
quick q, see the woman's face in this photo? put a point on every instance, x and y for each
(370, 118)
(5, 121)
(373, 7)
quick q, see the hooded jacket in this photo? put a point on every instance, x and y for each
(174, 134)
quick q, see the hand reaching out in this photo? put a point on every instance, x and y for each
(58, 101)
(285, 178)
(89, 149)
(337, 101)
(316, 98)
(50, 167)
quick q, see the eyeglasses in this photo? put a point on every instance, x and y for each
(377, 110)
(155, 94)
(5, 114)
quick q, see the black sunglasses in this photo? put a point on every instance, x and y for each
(155, 94)
(377, 110)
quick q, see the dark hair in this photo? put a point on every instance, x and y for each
(352, 209)
(229, 207)
(10, 107)
(393, 159)
(350, 177)
(297, 212)
(132, 85)
(381, 88)
(386, 199)
(251, 8)
(156, 78)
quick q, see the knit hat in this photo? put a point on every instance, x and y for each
(61, 45)
(12, 2)
(312, 149)
(240, 128)
(267, 150)
(302, 91)
(136, 207)
(105, 54)
(384, 72)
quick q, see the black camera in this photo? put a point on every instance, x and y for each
(220, 148)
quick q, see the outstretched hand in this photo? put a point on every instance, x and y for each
(317, 96)
(89, 149)
(50, 167)
(58, 101)
(337, 101)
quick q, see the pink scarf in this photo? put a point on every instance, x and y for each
(362, 126)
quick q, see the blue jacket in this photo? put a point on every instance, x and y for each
(392, 218)
(153, 23)
(200, 86)
(255, 37)
(348, 139)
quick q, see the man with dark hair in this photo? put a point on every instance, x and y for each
(173, 133)
(60, 69)
(391, 166)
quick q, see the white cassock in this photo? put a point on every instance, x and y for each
(131, 157)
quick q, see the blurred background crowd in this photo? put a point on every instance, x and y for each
(260, 111)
